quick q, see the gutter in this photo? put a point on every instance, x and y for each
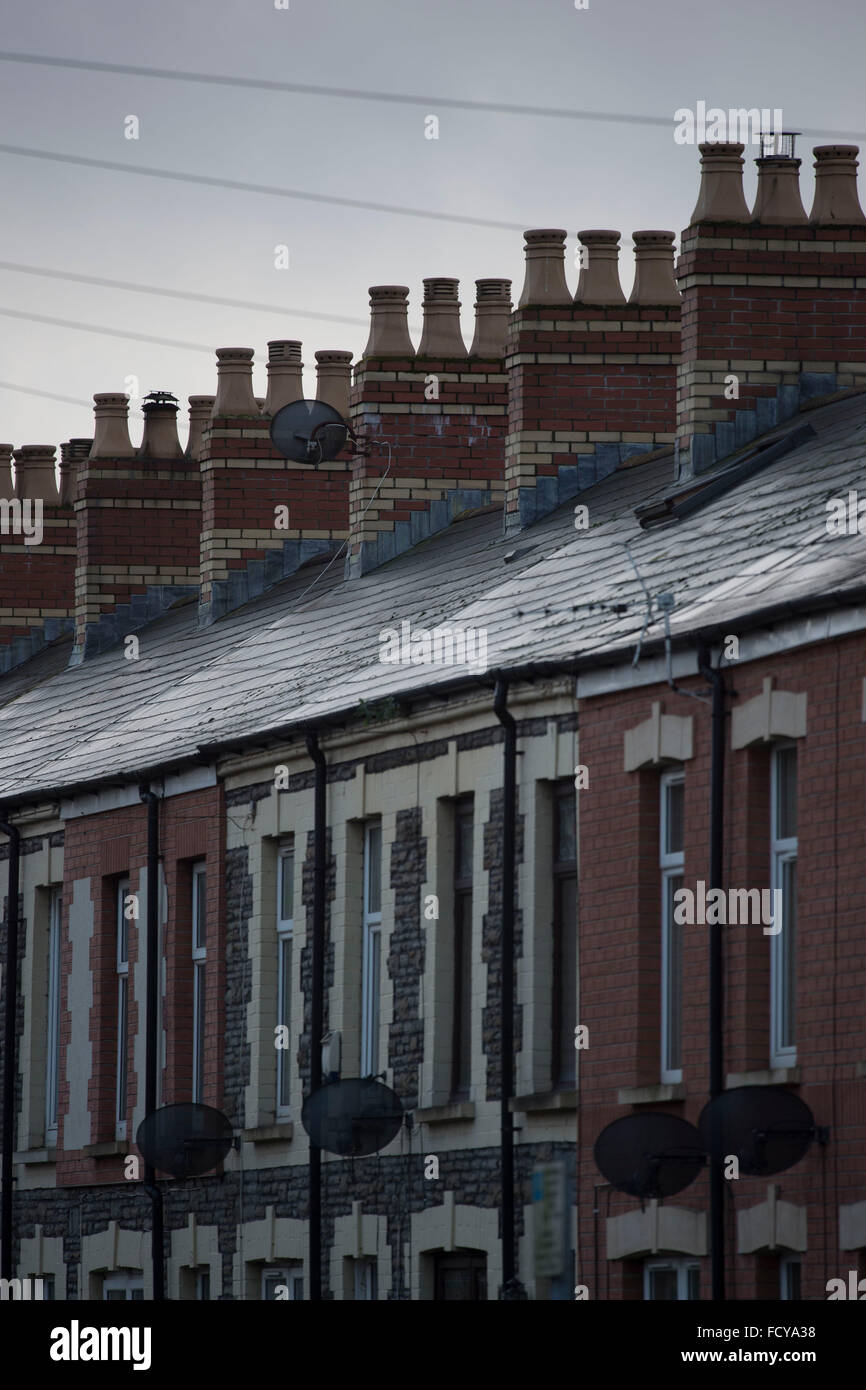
(9, 1046)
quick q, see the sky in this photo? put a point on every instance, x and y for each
(640, 58)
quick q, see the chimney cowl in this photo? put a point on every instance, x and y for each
(492, 312)
(200, 411)
(285, 383)
(334, 379)
(654, 276)
(159, 439)
(35, 472)
(599, 280)
(721, 197)
(389, 322)
(441, 335)
(778, 202)
(111, 426)
(545, 281)
(836, 203)
(234, 394)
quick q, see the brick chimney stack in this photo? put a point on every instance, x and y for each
(440, 409)
(592, 380)
(38, 554)
(138, 517)
(774, 304)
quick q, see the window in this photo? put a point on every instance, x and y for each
(125, 911)
(564, 934)
(461, 1053)
(123, 1286)
(372, 949)
(672, 1279)
(199, 965)
(790, 1270)
(460, 1276)
(671, 863)
(366, 1280)
(783, 946)
(202, 1285)
(285, 935)
(52, 1040)
(284, 1283)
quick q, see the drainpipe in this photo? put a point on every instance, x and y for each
(9, 1040)
(511, 1287)
(318, 1005)
(151, 1033)
(717, 1079)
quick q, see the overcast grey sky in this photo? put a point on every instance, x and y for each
(645, 57)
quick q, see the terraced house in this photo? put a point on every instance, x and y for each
(630, 500)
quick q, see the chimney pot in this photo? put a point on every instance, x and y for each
(35, 473)
(6, 488)
(333, 379)
(836, 200)
(111, 427)
(599, 281)
(71, 453)
(545, 281)
(284, 374)
(721, 197)
(389, 322)
(778, 202)
(234, 396)
(159, 439)
(492, 312)
(200, 411)
(654, 279)
(441, 336)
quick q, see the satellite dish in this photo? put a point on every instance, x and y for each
(308, 431)
(184, 1140)
(653, 1155)
(767, 1128)
(352, 1117)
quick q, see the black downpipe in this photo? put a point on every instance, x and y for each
(151, 1186)
(511, 1286)
(9, 1041)
(317, 965)
(717, 1037)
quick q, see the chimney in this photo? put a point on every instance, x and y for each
(592, 380)
(138, 520)
(492, 312)
(200, 412)
(37, 544)
(71, 455)
(284, 374)
(263, 516)
(334, 380)
(774, 312)
(439, 411)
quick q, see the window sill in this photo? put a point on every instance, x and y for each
(773, 1076)
(34, 1156)
(109, 1148)
(543, 1101)
(279, 1133)
(657, 1094)
(449, 1114)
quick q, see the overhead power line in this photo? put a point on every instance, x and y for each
(107, 332)
(269, 190)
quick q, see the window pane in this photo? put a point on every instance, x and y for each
(694, 1282)
(786, 793)
(287, 886)
(199, 909)
(787, 949)
(565, 976)
(199, 1018)
(663, 1284)
(123, 925)
(462, 992)
(673, 978)
(374, 868)
(463, 866)
(284, 1004)
(674, 800)
(122, 1009)
(52, 1055)
(566, 829)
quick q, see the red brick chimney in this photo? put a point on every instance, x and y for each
(246, 547)
(774, 304)
(138, 517)
(592, 380)
(442, 411)
(37, 570)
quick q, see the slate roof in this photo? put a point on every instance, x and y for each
(302, 654)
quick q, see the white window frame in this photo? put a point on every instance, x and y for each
(124, 893)
(130, 1281)
(366, 1279)
(371, 965)
(783, 852)
(199, 980)
(671, 864)
(52, 1029)
(285, 940)
(681, 1265)
(289, 1275)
